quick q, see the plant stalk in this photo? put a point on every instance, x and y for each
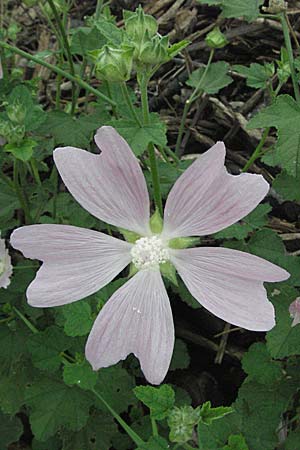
(257, 151)
(195, 94)
(134, 436)
(66, 48)
(151, 151)
(57, 70)
(288, 45)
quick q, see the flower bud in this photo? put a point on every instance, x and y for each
(137, 24)
(114, 64)
(155, 51)
(216, 39)
(181, 422)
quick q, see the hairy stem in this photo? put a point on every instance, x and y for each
(151, 151)
(288, 45)
(129, 103)
(66, 49)
(134, 436)
(257, 151)
(194, 95)
(56, 69)
(19, 191)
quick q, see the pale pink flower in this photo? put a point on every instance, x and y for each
(294, 311)
(137, 318)
(5, 265)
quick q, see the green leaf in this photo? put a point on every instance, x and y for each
(185, 295)
(215, 79)
(293, 440)
(21, 98)
(159, 400)
(287, 186)
(209, 414)
(258, 411)
(46, 348)
(259, 366)
(10, 430)
(176, 48)
(284, 114)
(12, 388)
(8, 200)
(78, 318)
(69, 211)
(267, 244)
(283, 340)
(22, 151)
(138, 137)
(96, 435)
(68, 130)
(257, 75)
(85, 39)
(115, 385)
(55, 405)
(180, 357)
(109, 31)
(249, 9)
(236, 442)
(155, 443)
(80, 374)
(12, 349)
(237, 231)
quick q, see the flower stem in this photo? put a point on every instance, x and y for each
(129, 103)
(257, 151)
(26, 321)
(143, 82)
(66, 48)
(98, 9)
(135, 437)
(154, 427)
(20, 193)
(288, 45)
(57, 70)
(195, 94)
(35, 172)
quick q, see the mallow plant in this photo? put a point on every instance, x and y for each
(120, 229)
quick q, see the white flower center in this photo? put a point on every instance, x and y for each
(149, 253)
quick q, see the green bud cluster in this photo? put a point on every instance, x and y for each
(142, 49)
(150, 48)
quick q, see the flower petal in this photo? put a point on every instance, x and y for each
(229, 283)
(77, 261)
(294, 310)
(136, 319)
(206, 198)
(6, 268)
(111, 186)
